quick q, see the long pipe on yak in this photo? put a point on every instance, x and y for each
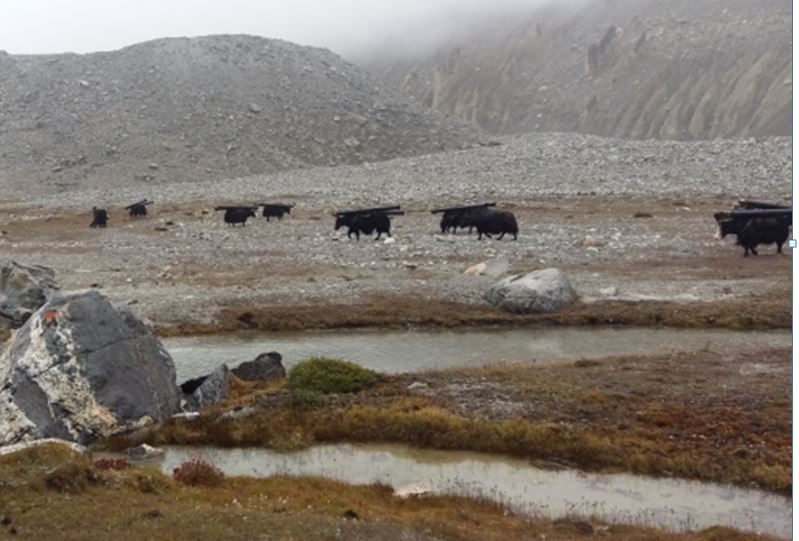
(462, 208)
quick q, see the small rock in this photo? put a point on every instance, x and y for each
(416, 489)
(255, 108)
(592, 242)
(240, 412)
(214, 388)
(580, 525)
(143, 452)
(152, 514)
(349, 514)
(476, 270)
(265, 367)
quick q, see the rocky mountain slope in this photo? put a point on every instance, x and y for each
(210, 107)
(677, 69)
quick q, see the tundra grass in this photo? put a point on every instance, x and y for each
(413, 422)
(135, 503)
(701, 415)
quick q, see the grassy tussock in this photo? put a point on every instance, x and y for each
(328, 376)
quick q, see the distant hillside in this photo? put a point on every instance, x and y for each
(677, 69)
(210, 107)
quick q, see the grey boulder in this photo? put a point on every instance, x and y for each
(213, 389)
(541, 291)
(23, 290)
(265, 367)
(80, 369)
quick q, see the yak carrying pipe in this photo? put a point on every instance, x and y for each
(142, 202)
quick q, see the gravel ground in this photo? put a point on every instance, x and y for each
(575, 197)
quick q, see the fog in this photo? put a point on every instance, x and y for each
(348, 27)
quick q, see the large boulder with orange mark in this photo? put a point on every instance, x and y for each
(80, 369)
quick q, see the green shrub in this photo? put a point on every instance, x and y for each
(326, 376)
(305, 399)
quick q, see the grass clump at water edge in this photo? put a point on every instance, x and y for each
(330, 376)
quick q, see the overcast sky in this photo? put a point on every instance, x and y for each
(345, 26)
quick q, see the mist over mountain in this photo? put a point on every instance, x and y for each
(199, 108)
(675, 69)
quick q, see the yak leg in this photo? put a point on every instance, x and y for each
(501, 235)
(515, 236)
(779, 247)
(378, 235)
(753, 250)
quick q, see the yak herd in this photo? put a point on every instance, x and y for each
(753, 223)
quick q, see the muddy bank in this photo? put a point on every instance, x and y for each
(770, 312)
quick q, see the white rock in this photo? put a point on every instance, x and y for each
(415, 489)
(144, 451)
(611, 291)
(541, 291)
(476, 270)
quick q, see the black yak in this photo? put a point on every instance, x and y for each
(99, 217)
(276, 210)
(364, 223)
(751, 232)
(238, 215)
(451, 220)
(455, 219)
(489, 222)
(137, 210)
